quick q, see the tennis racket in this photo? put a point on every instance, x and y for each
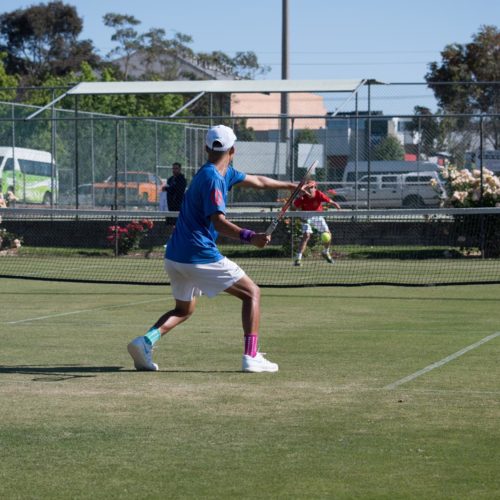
(286, 206)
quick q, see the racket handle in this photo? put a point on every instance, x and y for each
(270, 229)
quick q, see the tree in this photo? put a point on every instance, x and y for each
(43, 39)
(161, 55)
(389, 149)
(125, 35)
(247, 67)
(6, 81)
(243, 131)
(474, 71)
(425, 128)
(477, 61)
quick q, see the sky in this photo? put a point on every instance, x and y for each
(389, 40)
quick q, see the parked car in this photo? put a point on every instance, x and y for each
(85, 197)
(410, 190)
(132, 188)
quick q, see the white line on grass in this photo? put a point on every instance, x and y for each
(80, 311)
(449, 358)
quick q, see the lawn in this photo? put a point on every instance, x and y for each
(78, 422)
(354, 265)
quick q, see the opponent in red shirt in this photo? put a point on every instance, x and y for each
(312, 201)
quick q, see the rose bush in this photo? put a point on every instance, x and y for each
(9, 241)
(464, 190)
(125, 239)
(463, 187)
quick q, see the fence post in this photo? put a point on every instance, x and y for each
(13, 115)
(77, 170)
(54, 186)
(115, 198)
(481, 162)
(369, 164)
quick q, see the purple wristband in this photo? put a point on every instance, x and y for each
(246, 235)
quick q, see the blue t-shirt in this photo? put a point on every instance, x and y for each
(193, 240)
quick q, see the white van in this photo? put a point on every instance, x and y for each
(29, 173)
(354, 171)
(410, 190)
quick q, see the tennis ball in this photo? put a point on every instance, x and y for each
(326, 237)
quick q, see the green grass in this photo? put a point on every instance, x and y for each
(78, 422)
(354, 265)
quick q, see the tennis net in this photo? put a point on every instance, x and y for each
(407, 247)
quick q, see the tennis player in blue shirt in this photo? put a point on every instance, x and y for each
(193, 261)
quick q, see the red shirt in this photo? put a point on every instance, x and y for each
(314, 204)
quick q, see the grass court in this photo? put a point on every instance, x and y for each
(376, 397)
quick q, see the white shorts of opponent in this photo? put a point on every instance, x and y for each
(191, 280)
(317, 222)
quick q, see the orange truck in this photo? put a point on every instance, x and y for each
(132, 188)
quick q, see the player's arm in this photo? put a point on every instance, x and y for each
(263, 182)
(231, 230)
(326, 199)
(331, 203)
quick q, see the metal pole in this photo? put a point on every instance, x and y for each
(77, 172)
(284, 71)
(157, 166)
(356, 153)
(481, 162)
(13, 114)
(115, 201)
(293, 152)
(369, 165)
(92, 153)
(211, 108)
(125, 172)
(419, 142)
(54, 186)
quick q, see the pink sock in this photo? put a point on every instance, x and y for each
(251, 344)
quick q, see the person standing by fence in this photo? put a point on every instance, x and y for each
(176, 186)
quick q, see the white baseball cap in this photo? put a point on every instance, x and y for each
(222, 134)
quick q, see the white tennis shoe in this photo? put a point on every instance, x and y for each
(142, 354)
(258, 364)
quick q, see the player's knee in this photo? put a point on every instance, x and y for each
(253, 292)
(184, 311)
(256, 292)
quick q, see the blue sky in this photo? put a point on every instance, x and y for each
(392, 41)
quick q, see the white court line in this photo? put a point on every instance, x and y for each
(451, 357)
(80, 311)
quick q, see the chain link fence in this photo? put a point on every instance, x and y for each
(379, 148)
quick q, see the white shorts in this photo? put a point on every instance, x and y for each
(317, 222)
(191, 280)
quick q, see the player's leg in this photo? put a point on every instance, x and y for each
(249, 293)
(306, 235)
(321, 226)
(185, 293)
(181, 312)
(141, 348)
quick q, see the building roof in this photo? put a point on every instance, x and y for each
(215, 86)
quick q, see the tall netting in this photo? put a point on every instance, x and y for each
(400, 247)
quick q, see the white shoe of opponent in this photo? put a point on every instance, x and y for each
(142, 354)
(258, 364)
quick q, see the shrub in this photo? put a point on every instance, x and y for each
(125, 239)
(463, 187)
